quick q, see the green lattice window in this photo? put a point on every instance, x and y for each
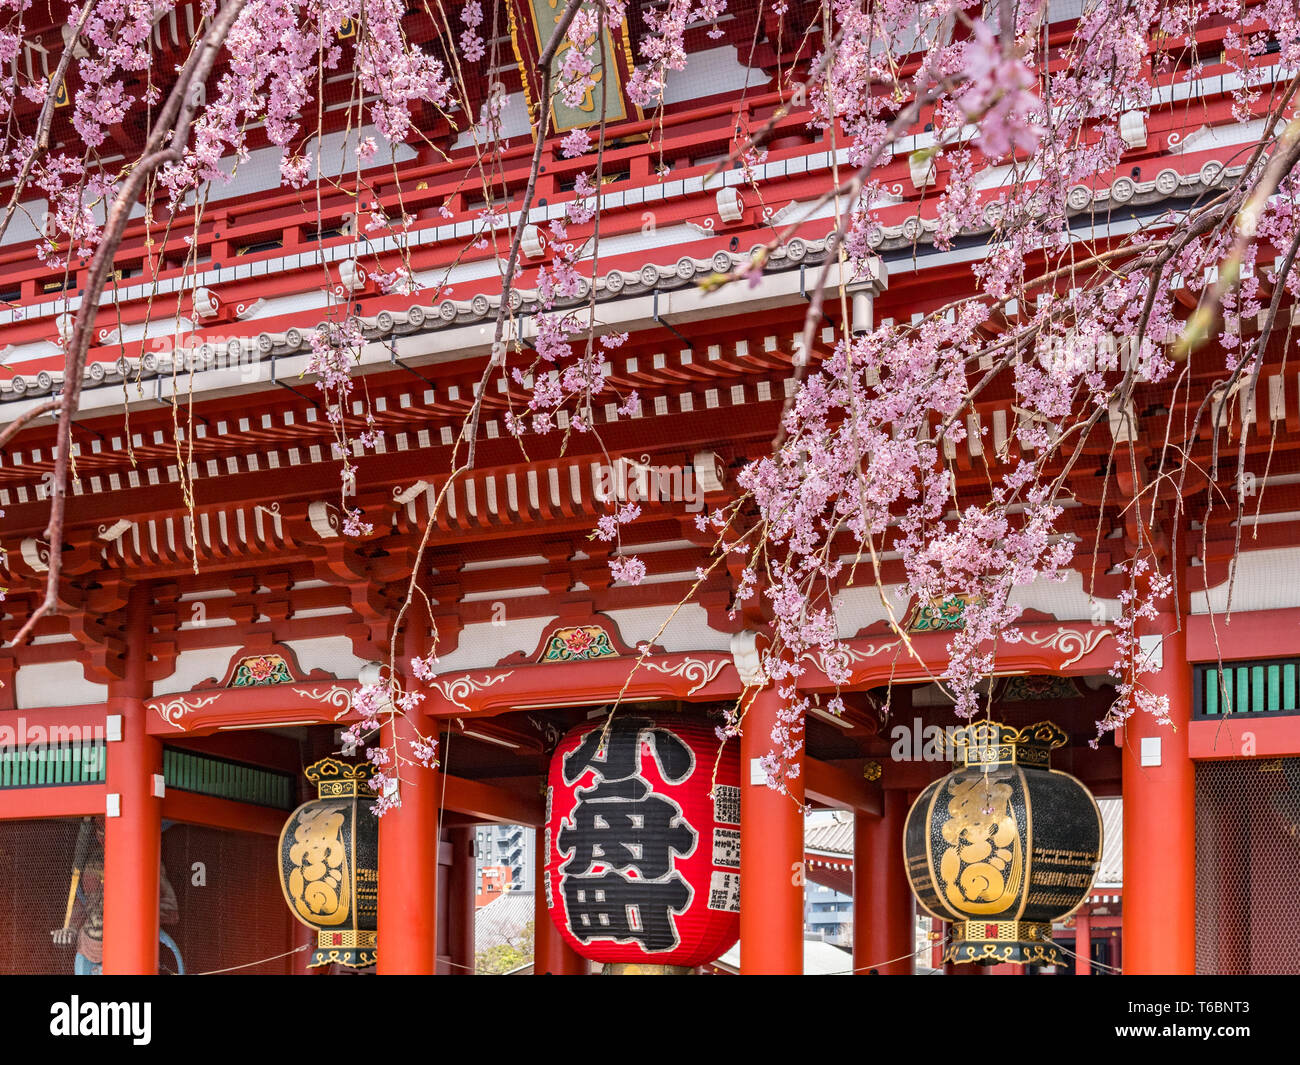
(206, 775)
(1262, 687)
(56, 763)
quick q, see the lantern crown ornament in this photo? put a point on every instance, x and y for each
(336, 779)
(329, 864)
(1003, 845)
(989, 743)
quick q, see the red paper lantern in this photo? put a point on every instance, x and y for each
(643, 842)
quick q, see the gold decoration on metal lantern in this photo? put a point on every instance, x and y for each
(1003, 845)
(329, 868)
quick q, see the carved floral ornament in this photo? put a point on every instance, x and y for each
(1074, 643)
(264, 663)
(938, 615)
(259, 670)
(578, 643)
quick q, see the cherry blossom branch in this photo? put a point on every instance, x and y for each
(176, 117)
(42, 137)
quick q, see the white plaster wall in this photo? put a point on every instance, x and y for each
(1264, 580)
(861, 606)
(194, 667)
(1065, 601)
(330, 653)
(55, 684)
(688, 631)
(514, 123)
(484, 644)
(708, 73)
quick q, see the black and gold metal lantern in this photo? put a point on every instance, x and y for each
(1003, 845)
(329, 864)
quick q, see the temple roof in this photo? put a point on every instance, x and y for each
(502, 921)
(830, 837)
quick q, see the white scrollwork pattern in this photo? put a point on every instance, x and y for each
(840, 660)
(458, 689)
(1074, 643)
(692, 669)
(173, 711)
(332, 696)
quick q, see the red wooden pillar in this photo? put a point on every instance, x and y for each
(936, 941)
(133, 838)
(882, 900)
(552, 956)
(408, 854)
(460, 917)
(1083, 942)
(771, 852)
(1160, 819)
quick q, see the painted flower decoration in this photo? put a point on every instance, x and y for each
(261, 668)
(578, 641)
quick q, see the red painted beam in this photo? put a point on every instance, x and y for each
(1245, 736)
(52, 721)
(840, 789)
(548, 685)
(486, 802)
(252, 748)
(1249, 634)
(208, 810)
(76, 801)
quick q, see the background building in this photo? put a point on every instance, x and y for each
(509, 847)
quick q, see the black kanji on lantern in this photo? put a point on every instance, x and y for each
(619, 882)
(610, 906)
(619, 757)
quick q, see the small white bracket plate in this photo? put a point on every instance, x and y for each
(1151, 652)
